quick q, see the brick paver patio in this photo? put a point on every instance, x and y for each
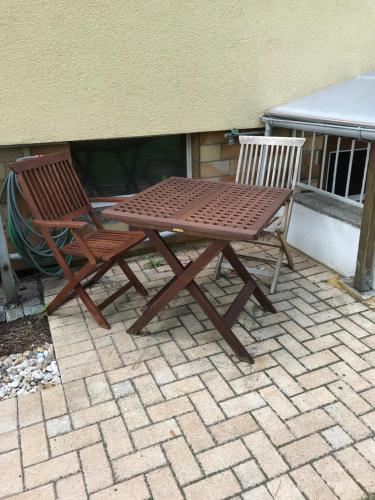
(173, 415)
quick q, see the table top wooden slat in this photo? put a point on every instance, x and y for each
(218, 210)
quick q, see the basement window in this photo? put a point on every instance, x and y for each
(127, 166)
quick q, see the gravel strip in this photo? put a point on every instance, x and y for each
(28, 371)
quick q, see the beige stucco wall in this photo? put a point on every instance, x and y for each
(80, 69)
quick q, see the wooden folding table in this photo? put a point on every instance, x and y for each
(219, 211)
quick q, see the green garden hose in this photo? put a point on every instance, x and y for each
(29, 243)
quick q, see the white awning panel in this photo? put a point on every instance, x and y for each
(351, 103)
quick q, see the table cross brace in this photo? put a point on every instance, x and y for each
(184, 278)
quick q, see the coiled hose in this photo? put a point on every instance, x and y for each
(29, 243)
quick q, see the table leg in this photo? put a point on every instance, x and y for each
(184, 275)
(246, 277)
(185, 278)
(237, 306)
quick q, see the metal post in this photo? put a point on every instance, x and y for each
(366, 248)
(6, 272)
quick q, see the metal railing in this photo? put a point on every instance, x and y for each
(323, 169)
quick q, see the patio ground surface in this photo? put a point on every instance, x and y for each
(172, 414)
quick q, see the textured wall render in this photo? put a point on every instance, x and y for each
(114, 68)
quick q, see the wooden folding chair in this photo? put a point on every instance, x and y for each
(270, 162)
(57, 199)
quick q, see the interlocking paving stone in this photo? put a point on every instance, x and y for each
(358, 467)
(71, 487)
(267, 456)
(369, 420)
(76, 395)
(51, 470)
(147, 389)
(54, 403)
(242, 404)
(182, 460)
(136, 489)
(195, 432)
(348, 421)
(138, 463)
(156, 433)
(367, 449)
(249, 474)
(173, 413)
(351, 358)
(313, 399)
(369, 396)
(8, 441)
(337, 479)
(258, 493)
(217, 385)
(250, 383)
(305, 450)
(160, 371)
(289, 362)
(134, 370)
(170, 408)
(42, 493)
(207, 408)
(10, 466)
(185, 386)
(74, 440)
(309, 422)
(96, 469)
(219, 486)
(116, 437)
(283, 487)
(30, 409)
(350, 398)
(94, 414)
(34, 444)
(163, 485)
(224, 456)
(279, 402)
(98, 389)
(233, 428)
(284, 381)
(311, 484)
(355, 380)
(318, 359)
(316, 378)
(273, 426)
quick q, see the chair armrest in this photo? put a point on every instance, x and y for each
(60, 224)
(73, 225)
(108, 199)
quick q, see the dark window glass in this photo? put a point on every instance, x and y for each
(356, 176)
(127, 166)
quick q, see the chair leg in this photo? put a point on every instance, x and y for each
(218, 266)
(132, 277)
(288, 253)
(92, 308)
(277, 271)
(69, 290)
(101, 272)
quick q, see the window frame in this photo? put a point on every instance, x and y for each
(189, 173)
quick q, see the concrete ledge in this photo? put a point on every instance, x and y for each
(329, 206)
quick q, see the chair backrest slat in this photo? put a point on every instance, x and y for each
(52, 187)
(269, 161)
